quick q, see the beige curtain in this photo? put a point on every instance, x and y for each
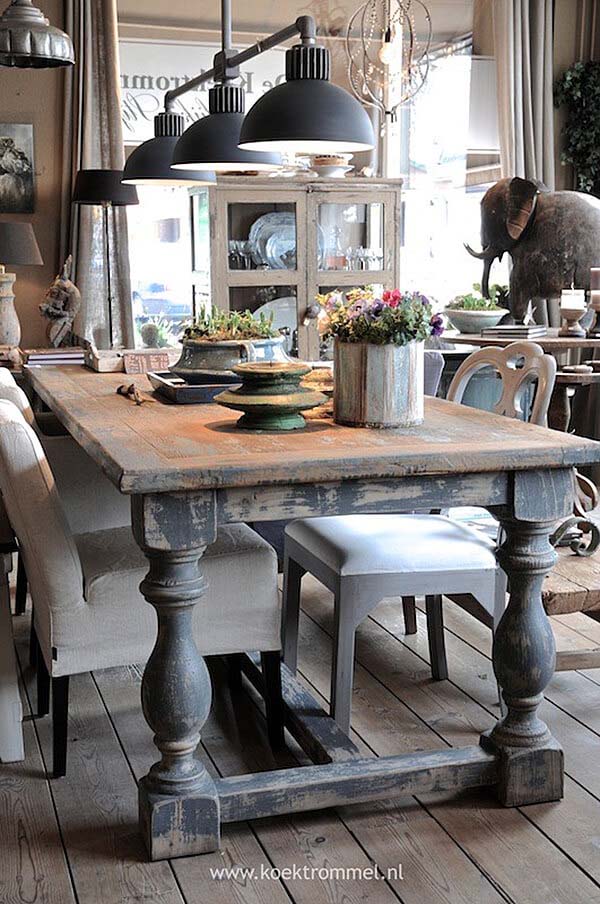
(523, 40)
(93, 139)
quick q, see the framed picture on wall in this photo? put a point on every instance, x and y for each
(16, 168)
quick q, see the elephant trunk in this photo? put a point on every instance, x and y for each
(485, 280)
(488, 255)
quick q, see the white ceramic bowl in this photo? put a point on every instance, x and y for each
(474, 321)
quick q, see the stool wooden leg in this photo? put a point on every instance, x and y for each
(409, 610)
(271, 668)
(435, 636)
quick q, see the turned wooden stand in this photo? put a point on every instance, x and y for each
(189, 470)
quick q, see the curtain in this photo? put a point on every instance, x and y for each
(523, 40)
(93, 139)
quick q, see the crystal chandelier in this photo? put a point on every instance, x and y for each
(387, 61)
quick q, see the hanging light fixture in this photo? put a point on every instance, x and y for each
(28, 41)
(150, 163)
(387, 62)
(307, 114)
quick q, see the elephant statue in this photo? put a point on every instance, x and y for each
(553, 238)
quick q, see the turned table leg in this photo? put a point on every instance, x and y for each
(179, 806)
(524, 654)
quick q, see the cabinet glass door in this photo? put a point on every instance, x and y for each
(261, 236)
(351, 236)
(278, 302)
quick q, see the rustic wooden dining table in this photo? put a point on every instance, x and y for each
(188, 469)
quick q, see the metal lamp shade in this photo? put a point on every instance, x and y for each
(308, 117)
(28, 41)
(99, 186)
(18, 244)
(307, 114)
(212, 143)
(150, 164)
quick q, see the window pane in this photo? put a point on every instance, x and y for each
(160, 260)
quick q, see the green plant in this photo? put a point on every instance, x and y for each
(396, 317)
(474, 301)
(216, 325)
(579, 90)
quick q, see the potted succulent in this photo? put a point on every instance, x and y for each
(473, 313)
(378, 355)
(218, 340)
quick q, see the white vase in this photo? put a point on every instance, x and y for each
(10, 328)
(378, 385)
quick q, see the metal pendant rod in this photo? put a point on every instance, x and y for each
(304, 26)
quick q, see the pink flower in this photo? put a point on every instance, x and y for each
(392, 297)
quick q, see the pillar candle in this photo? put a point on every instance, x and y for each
(572, 298)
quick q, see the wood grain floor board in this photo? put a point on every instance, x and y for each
(552, 840)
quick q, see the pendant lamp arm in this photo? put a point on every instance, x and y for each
(226, 65)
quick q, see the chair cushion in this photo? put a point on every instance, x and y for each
(240, 612)
(393, 544)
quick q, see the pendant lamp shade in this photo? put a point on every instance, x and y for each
(212, 143)
(307, 114)
(28, 41)
(100, 186)
(150, 163)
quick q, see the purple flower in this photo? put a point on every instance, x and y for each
(376, 308)
(437, 325)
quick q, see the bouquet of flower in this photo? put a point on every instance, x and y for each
(361, 315)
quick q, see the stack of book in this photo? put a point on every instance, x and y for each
(516, 331)
(68, 354)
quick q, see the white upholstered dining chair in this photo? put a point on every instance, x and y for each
(88, 610)
(90, 500)
(363, 559)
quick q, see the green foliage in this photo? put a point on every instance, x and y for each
(395, 318)
(216, 325)
(474, 301)
(579, 90)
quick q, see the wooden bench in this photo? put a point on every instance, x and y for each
(574, 586)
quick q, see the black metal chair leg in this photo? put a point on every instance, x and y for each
(409, 609)
(435, 636)
(271, 669)
(33, 644)
(234, 672)
(60, 718)
(21, 588)
(43, 681)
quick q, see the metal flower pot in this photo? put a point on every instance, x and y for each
(204, 361)
(378, 385)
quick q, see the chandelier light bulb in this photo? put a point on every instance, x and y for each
(387, 49)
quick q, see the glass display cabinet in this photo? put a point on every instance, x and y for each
(271, 244)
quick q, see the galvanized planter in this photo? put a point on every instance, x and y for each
(378, 385)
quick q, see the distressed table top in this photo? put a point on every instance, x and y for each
(157, 447)
(551, 342)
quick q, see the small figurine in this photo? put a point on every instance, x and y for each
(63, 301)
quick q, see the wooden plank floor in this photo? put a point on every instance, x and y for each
(75, 841)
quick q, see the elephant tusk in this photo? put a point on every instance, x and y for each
(481, 255)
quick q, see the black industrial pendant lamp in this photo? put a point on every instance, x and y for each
(150, 163)
(212, 143)
(28, 41)
(307, 114)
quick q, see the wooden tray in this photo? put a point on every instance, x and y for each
(178, 391)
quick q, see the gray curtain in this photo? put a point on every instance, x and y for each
(523, 40)
(93, 139)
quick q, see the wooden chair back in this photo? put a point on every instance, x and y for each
(519, 366)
